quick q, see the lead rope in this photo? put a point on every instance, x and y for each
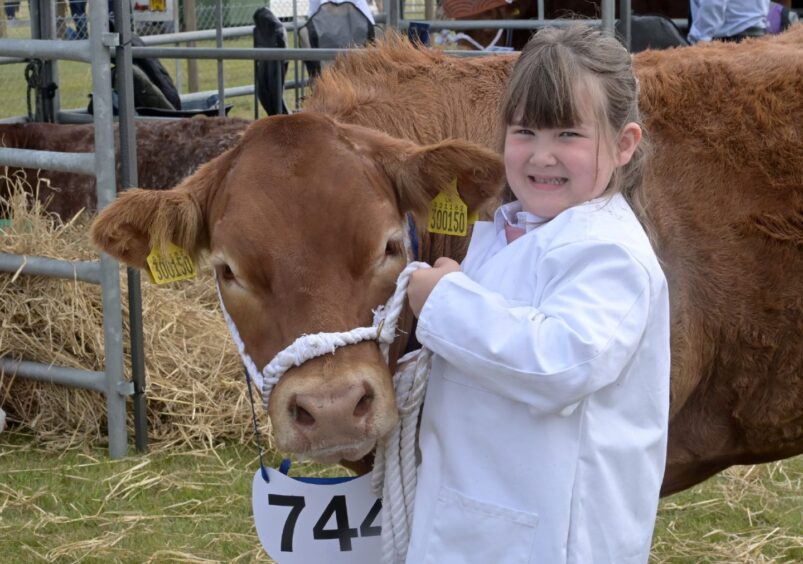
(394, 475)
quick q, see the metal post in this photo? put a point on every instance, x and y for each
(3, 22)
(99, 38)
(540, 9)
(43, 26)
(394, 14)
(190, 24)
(221, 95)
(128, 178)
(624, 17)
(256, 86)
(608, 17)
(137, 359)
(298, 76)
(429, 9)
(177, 63)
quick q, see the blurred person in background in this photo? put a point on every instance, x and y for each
(727, 20)
(78, 12)
(11, 8)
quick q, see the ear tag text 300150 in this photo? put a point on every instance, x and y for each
(448, 213)
(173, 266)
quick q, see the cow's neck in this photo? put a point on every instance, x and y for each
(432, 247)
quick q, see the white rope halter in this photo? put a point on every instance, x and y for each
(394, 475)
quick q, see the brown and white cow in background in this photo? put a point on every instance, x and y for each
(303, 220)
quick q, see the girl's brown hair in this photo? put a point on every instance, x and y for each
(561, 74)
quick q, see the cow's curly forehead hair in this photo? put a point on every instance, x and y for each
(563, 75)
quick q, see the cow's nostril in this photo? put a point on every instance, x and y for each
(302, 416)
(363, 406)
(347, 409)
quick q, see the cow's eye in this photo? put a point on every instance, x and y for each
(227, 274)
(393, 248)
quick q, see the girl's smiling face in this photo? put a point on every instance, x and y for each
(552, 169)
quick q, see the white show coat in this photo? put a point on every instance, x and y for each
(543, 435)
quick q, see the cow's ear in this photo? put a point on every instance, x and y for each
(421, 172)
(141, 220)
(426, 170)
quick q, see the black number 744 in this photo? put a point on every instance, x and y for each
(337, 507)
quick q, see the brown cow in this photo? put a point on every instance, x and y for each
(723, 195)
(723, 199)
(304, 222)
(167, 152)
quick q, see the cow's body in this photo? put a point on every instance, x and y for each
(724, 196)
(167, 151)
(723, 199)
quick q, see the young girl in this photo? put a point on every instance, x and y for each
(543, 434)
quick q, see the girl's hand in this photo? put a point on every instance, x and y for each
(422, 282)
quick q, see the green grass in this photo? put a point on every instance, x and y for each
(744, 514)
(188, 506)
(195, 506)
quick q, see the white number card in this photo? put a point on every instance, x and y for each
(304, 520)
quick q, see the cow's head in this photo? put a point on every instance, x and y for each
(303, 222)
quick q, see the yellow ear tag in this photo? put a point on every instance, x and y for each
(171, 267)
(448, 213)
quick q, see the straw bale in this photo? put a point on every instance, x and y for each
(195, 380)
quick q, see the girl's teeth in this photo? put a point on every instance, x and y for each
(538, 180)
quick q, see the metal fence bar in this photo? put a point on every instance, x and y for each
(113, 384)
(607, 11)
(85, 271)
(236, 91)
(228, 33)
(128, 178)
(82, 163)
(625, 17)
(394, 14)
(86, 379)
(106, 192)
(467, 25)
(231, 92)
(206, 34)
(47, 49)
(43, 26)
(296, 73)
(221, 96)
(260, 54)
